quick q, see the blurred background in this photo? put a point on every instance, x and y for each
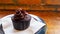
(48, 10)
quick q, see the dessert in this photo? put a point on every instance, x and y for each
(21, 19)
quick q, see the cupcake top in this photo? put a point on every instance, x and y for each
(20, 14)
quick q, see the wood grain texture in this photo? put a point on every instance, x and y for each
(30, 4)
(52, 19)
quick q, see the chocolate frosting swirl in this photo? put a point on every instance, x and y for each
(20, 14)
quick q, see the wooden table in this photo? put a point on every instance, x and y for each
(52, 19)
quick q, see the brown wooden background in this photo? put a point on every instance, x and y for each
(30, 4)
(52, 19)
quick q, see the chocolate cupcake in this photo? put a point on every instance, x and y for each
(21, 20)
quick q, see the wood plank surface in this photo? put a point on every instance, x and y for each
(52, 19)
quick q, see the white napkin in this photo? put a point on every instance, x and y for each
(8, 26)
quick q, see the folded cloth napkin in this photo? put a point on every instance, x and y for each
(32, 29)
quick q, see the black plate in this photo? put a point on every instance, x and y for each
(41, 31)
